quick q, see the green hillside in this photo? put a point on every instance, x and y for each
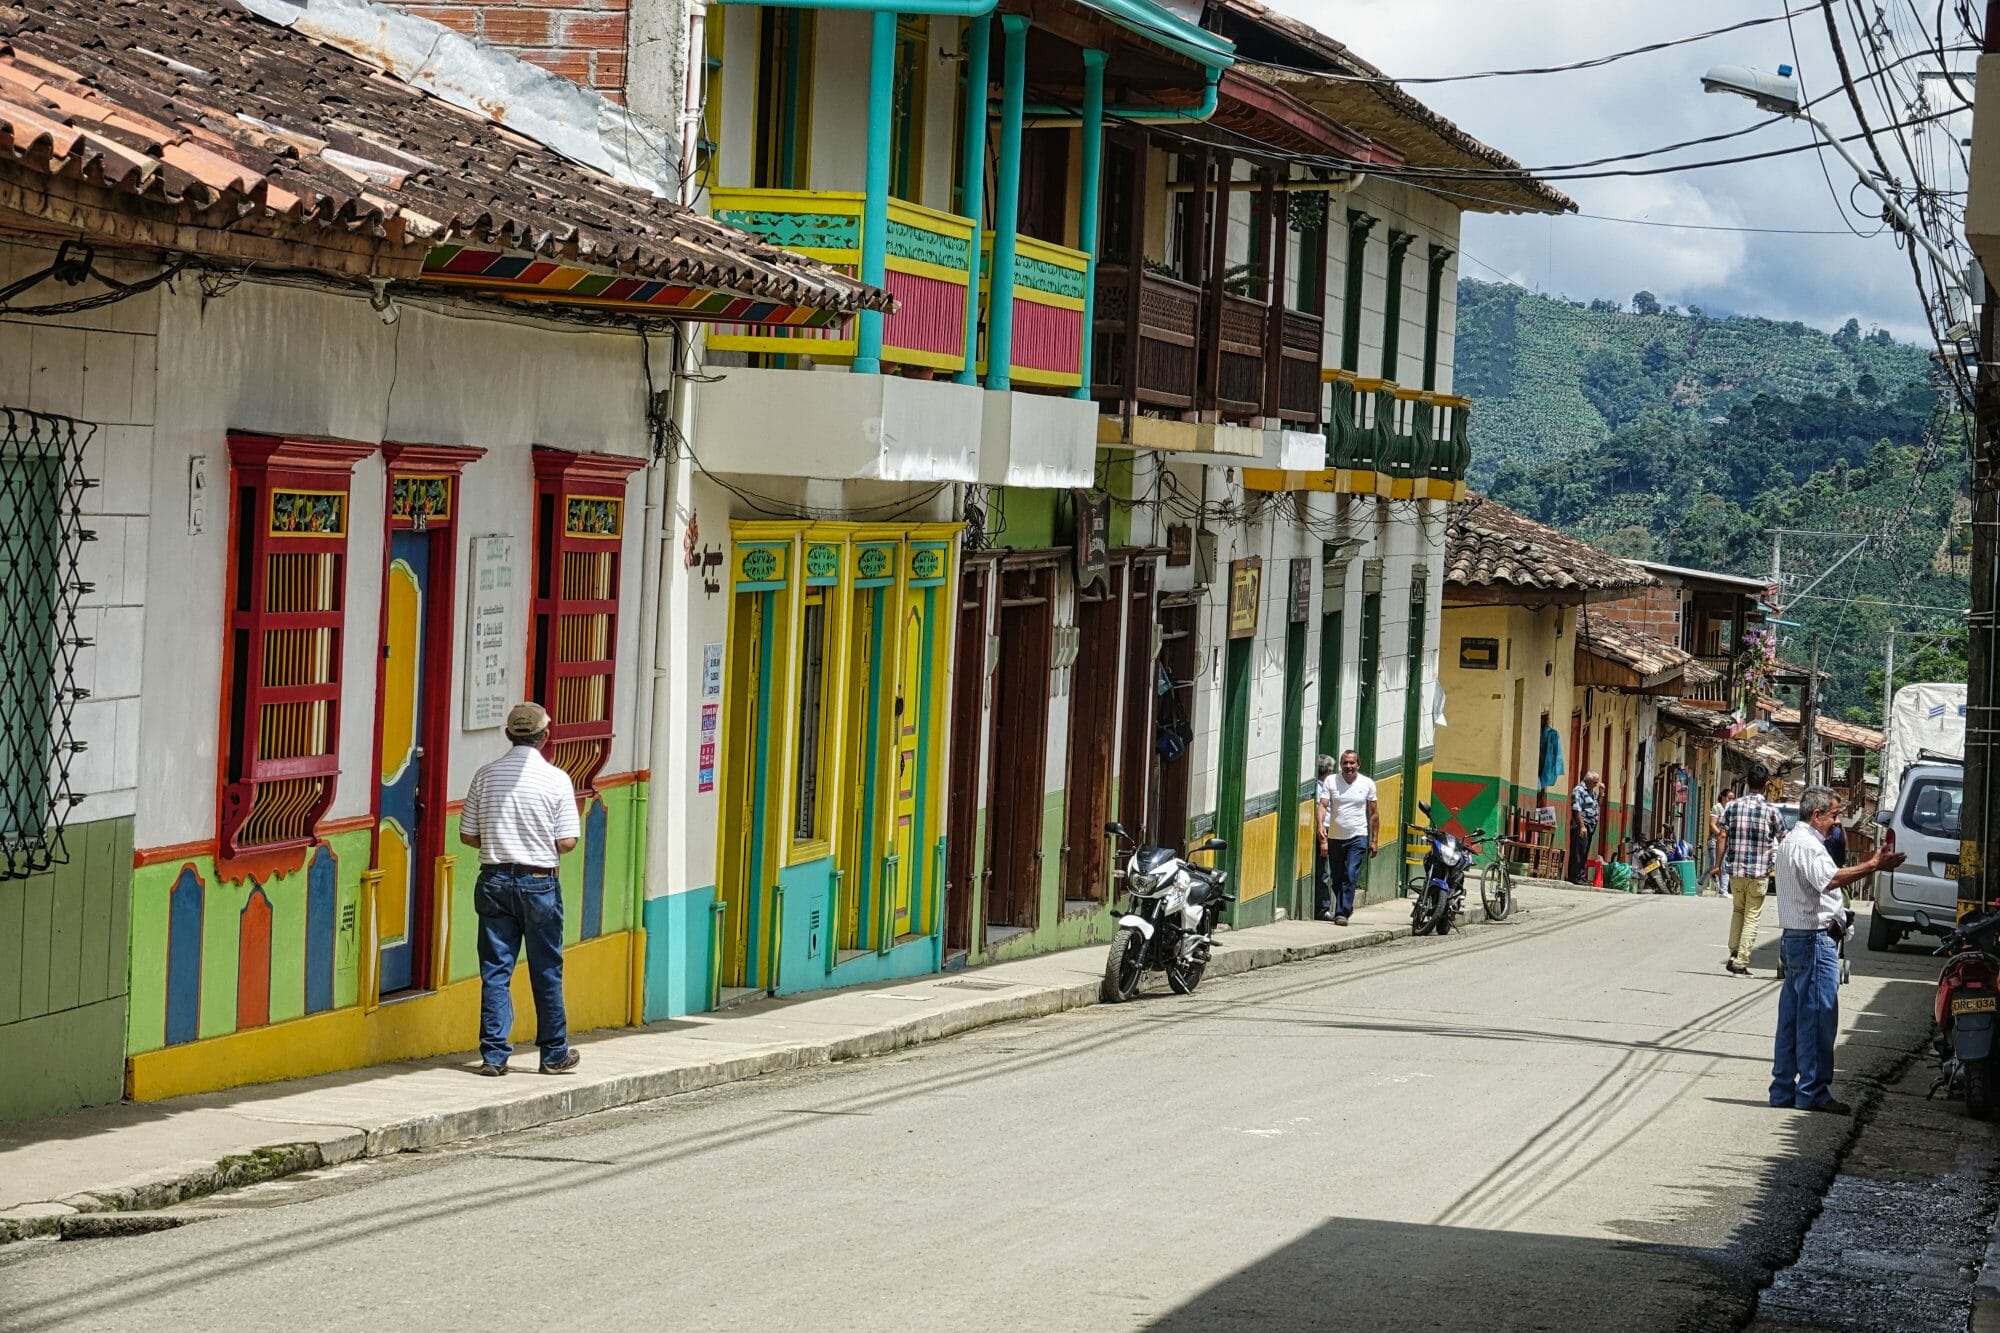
(1552, 376)
(1686, 440)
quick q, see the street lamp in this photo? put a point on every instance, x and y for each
(1779, 93)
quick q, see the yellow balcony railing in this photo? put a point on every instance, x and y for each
(929, 273)
(1048, 311)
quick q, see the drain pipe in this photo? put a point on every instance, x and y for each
(1049, 115)
(652, 566)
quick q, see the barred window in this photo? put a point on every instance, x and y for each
(282, 652)
(41, 537)
(579, 539)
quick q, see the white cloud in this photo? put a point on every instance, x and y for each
(1644, 102)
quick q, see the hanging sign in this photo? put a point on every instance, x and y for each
(492, 642)
(1300, 590)
(1180, 545)
(1093, 538)
(1246, 579)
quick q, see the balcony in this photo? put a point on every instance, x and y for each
(929, 273)
(1299, 342)
(1048, 312)
(1162, 357)
(1717, 694)
(1148, 356)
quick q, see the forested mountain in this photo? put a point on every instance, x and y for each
(1672, 436)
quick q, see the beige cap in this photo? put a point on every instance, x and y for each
(527, 721)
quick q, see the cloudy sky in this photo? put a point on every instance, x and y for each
(1645, 102)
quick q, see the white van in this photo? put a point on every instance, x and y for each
(1925, 821)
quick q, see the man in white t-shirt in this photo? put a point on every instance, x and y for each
(1349, 833)
(520, 812)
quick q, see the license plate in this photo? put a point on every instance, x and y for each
(1978, 1004)
(1951, 870)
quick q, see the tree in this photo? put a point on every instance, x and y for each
(1645, 303)
(1849, 336)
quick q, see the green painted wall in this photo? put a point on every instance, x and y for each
(63, 977)
(1025, 519)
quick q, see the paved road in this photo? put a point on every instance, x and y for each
(1554, 1123)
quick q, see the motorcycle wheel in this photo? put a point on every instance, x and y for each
(1122, 966)
(1444, 923)
(1496, 895)
(1424, 911)
(1182, 978)
(1982, 1091)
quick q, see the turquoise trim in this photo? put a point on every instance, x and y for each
(1161, 26)
(1152, 112)
(1093, 160)
(965, 9)
(679, 957)
(753, 898)
(927, 247)
(875, 204)
(972, 183)
(1007, 217)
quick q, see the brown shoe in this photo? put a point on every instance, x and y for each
(1340, 921)
(566, 1065)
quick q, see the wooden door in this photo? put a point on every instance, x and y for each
(1135, 724)
(1173, 779)
(1093, 721)
(968, 743)
(405, 844)
(1020, 749)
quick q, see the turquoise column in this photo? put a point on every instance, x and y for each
(972, 185)
(1086, 225)
(875, 204)
(1007, 211)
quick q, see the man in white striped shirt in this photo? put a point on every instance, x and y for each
(521, 815)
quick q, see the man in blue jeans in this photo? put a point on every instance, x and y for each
(1813, 917)
(1349, 832)
(521, 815)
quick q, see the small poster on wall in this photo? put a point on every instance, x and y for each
(492, 643)
(1245, 586)
(711, 671)
(705, 764)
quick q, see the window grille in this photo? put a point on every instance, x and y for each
(579, 538)
(282, 652)
(41, 542)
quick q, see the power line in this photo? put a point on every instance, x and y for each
(1704, 226)
(1592, 63)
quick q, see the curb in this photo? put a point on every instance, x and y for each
(132, 1208)
(1985, 1315)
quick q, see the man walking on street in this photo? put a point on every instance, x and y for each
(521, 815)
(1751, 827)
(1813, 917)
(1583, 811)
(1349, 832)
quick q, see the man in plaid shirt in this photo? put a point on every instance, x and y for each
(1751, 827)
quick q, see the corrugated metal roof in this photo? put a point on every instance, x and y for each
(204, 109)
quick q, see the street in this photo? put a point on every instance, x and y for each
(1557, 1122)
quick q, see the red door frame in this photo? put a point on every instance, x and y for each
(440, 643)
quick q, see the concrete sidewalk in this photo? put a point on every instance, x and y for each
(73, 1174)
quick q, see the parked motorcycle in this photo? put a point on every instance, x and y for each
(1651, 865)
(1169, 924)
(1440, 890)
(1968, 994)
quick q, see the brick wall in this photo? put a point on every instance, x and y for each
(1657, 611)
(582, 40)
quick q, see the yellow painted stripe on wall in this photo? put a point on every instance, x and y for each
(1260, 858)
(596, 987)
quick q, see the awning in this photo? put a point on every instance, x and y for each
(1165, 28)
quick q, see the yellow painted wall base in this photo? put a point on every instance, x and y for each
(596, 994)
(1260, 857)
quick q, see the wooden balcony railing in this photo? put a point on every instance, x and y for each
(1239, 356)
(1048, 311)
(929, 272)
(1146, 357)
(1300, 345)
(1718, 694)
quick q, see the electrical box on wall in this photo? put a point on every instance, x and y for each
(1204, 557)
(197, 494)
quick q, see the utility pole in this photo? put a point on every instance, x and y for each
(1888, 680)
(1982, 791)
(1809, 717)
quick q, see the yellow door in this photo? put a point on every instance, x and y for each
(909, 730)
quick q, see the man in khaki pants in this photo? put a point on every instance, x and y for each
(1751, 827)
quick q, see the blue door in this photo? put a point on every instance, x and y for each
(402, 852)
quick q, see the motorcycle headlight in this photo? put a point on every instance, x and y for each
(1145, 884)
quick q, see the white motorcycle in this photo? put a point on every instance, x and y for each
(1170, 922)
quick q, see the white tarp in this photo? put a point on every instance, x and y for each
(1921, 718)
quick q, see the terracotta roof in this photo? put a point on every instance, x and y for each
(224, 119)
(1832, 728)
(1633, 649)
(1363, 98)
(1488, 545)
(1773, 749)
(1703, 721)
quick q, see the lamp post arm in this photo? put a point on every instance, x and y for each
(1894, 209)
